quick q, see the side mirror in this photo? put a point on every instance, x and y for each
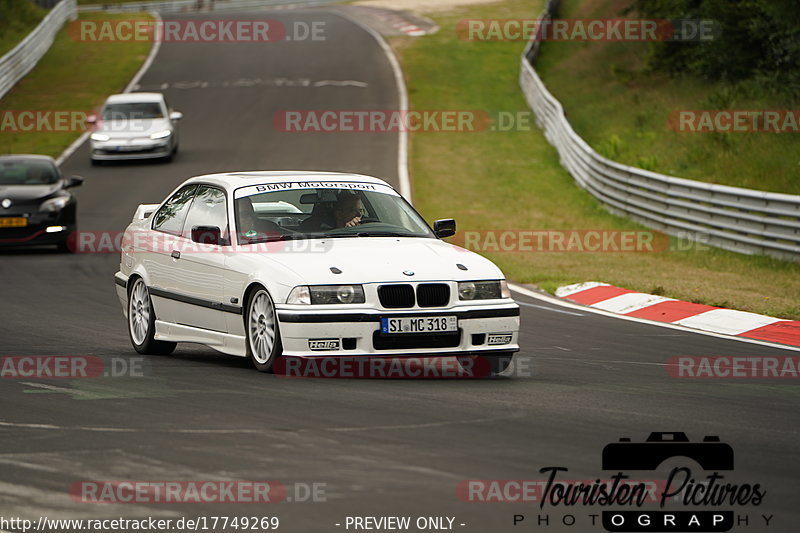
(444, 228)
(73, 181)
(175, 116)
(91, 119)
(206, 235)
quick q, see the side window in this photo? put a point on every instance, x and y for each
(171, 216)
(208, 209)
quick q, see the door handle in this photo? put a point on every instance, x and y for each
(176, 254)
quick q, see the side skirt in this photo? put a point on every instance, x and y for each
(222, 342)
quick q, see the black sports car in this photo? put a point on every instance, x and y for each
(36, 206)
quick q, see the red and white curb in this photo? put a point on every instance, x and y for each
(696, 316)
(411, 29)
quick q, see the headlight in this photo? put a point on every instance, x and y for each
(160, 134)
(327, 294)
(101, 137)
(54, 204)
(481, 290)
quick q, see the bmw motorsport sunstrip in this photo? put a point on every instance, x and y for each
(307, 264)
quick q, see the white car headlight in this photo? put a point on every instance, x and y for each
(54, 204)
(482, 290)
(100, 137)
(327, 294)
(160, 134)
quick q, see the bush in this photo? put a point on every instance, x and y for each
(759, 40)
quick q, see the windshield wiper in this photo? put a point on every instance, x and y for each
(384, 234)
(299, 237)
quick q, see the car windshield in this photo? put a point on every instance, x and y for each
(313, 210)
(28, 172)
(132, 111)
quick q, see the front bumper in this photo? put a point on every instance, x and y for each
(137, 149)
(304, 332)
(42, 229)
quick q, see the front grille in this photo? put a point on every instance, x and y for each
(410, 341)
(396, 296)
(433, 295)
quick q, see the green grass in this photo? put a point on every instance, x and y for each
(73, 76)
(17, 19)
(513, 180)
(621, 109)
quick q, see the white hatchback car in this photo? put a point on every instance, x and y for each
(307, 264)
(134, 126)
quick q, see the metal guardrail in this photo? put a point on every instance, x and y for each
(187, 6)
(733, 218)
(23, 57)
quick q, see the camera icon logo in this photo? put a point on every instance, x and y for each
(710, 454)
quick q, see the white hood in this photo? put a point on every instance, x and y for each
(376, 259)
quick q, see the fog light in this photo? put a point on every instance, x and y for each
(55, 229)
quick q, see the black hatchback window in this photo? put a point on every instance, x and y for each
(29, 172)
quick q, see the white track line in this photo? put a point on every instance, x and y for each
(557, 301)
(402, 149)
(138, 76)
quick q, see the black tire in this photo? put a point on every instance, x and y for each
(261, 330)
(142, 321)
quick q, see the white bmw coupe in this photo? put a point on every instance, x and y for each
(307, 264)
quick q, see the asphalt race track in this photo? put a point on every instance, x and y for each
(380, 447)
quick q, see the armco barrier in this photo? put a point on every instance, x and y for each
(23, 57)
(742, 220)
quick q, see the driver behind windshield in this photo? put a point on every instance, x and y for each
(347, 212)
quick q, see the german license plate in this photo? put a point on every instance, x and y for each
(419, 324)
(127, 148)
(13, 222)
